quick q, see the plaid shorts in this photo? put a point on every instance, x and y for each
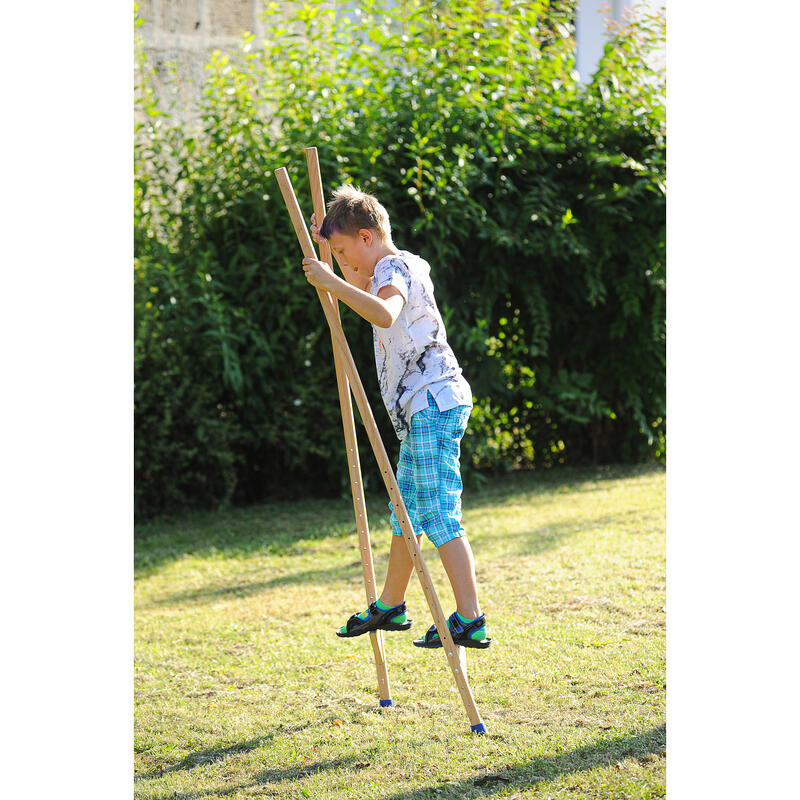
(429, 475)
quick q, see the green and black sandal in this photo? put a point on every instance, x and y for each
(467, 633)
(377, 617)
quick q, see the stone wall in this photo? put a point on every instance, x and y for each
(186, 32)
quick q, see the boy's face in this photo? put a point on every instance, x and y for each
(355, 251)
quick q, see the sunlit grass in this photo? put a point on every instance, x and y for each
(243, 690)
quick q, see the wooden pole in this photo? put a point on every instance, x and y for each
(351, 443)
(387, 473)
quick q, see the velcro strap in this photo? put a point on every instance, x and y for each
(461, 628)
(454, 623)
(476, 624)
(354, 621)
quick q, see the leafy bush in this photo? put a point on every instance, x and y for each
(539, 203)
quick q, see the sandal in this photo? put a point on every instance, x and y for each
(377, 620)
(460, 632)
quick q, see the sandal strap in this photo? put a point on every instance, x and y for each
(430, 634)
(389, 613)
(354, 622)
(459, 628)
(375, 613)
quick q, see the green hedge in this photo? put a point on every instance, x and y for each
(539, 203)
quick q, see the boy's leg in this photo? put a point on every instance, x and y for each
(435, 452)
(459, 565)
(439, 509)
(398, 574)
(401, 566)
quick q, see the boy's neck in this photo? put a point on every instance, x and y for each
(384, 249)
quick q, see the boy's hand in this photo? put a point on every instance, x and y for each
(318, 273)
(315, 230)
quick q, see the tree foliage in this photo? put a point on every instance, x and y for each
(538, 201)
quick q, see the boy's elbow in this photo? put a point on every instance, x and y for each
(392, 313)
(389, 311)
(385, 319)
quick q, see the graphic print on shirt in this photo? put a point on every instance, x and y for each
(413, 354)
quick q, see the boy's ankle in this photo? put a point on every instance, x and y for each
(385, 605)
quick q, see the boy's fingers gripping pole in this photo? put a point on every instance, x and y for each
(348, 424)
(451, 651)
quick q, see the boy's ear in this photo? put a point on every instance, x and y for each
(365, 234)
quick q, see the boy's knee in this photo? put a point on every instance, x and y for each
(444, 534)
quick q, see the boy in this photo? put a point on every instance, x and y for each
(428, 401)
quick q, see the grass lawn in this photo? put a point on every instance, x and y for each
(243, 690)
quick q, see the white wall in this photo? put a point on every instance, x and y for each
(591, 28)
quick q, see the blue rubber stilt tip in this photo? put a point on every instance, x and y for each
(480, 729)
(386, 703)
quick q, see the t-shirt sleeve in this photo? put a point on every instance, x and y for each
(393, 272)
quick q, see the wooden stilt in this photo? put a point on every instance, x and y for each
(387, 472)
(348, 423)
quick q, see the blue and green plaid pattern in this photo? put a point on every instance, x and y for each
(429, 475)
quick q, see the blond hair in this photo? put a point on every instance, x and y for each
(350, 210)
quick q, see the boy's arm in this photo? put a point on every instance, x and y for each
(382, 310)
(353, 277)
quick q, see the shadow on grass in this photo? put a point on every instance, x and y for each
(524, 542)
(211, 594)
(266, 776)
(213, 754)
(530, 541)
(603, 753)
(276, 528)
(600, 754)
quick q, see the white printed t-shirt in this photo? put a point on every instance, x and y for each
(413, 356)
